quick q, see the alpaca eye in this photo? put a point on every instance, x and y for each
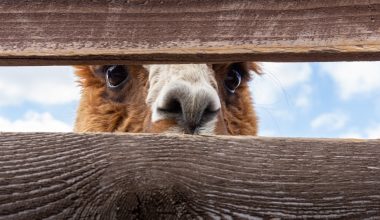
(232, 80)
(115, 75)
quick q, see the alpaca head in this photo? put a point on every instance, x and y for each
(176, 98)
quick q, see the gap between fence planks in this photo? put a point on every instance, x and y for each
(127, 176)
(53, 32)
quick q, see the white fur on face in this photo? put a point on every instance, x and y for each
(193, 84)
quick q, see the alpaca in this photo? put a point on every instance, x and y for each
(176, 98)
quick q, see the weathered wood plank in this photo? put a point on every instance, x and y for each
(47, 32)
(105, 176)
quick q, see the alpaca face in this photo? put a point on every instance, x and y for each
(178, 98)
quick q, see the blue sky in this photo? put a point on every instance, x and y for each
(291, 99)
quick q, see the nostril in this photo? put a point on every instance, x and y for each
(209, 114)
(172, 106)
(209, 110)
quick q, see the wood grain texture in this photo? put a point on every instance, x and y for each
(47, 32)
(105, 176)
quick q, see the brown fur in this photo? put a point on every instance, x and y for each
(101, 110)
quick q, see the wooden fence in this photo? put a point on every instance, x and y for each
(43, 32)
(109, 176)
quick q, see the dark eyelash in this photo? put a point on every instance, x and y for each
(241, 69)
(104, 68)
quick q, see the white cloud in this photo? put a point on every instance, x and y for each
(271, 87)
(43, 85)
(354, 78)
(288, 74)
(303, 98)
(329, 121)
(267, 133)
(264, 91)
(33, 121)
(373, 132)
(351, 135)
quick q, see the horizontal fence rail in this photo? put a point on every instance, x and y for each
(53, 32)
(126, 176)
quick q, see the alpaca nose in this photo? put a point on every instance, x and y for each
(191, 108)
